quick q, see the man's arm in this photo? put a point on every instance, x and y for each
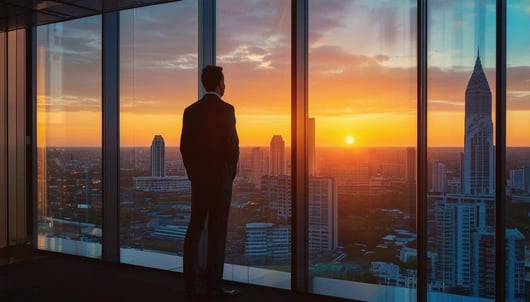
(233, 143)
(185, 143)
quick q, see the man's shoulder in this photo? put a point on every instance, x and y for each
(209, 102)
(192, 106)
(227, 105)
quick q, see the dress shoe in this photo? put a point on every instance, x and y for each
(221, 292)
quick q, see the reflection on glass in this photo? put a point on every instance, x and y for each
(158, 79)
(517, 152)
(461, 183)
(69, 137)
(254, 48)
(362, 149)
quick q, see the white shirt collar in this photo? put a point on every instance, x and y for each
(213, 92)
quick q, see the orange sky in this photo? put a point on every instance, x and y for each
(364, 90)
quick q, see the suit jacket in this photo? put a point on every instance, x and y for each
(209, 143)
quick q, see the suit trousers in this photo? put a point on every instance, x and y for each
(209, 202)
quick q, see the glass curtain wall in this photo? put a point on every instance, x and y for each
(254, 49)
(69, 204)
(362, 149)
(517, 151)
(461, 171)
(158, 79)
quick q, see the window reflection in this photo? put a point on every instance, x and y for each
(158, 79)
(461, 214)
(69, 137)
(517, 153)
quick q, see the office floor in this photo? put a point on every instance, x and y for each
(31, 275)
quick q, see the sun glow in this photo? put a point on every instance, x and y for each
(350, 140)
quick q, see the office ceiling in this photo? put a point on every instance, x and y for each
(16, 14)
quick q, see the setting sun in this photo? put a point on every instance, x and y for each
(350, 140)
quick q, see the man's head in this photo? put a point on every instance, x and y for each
(212, 79)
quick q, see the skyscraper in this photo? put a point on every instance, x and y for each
(458, 217)
(277, 156)
(322, 208)
(438, 176)
(478, 138)
(158, 157)
(464, 236)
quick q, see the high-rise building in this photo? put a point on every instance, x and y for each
(465, 223)
(517, 178)
(323, 215)
(277, 156)
(515, 266)
(410, 166)
(158, 157)
(323, 206)
(478, 138)
(457, 218)
(437, 176)
(259, 161)
(276, 191)
(484, 264)
(266, 241)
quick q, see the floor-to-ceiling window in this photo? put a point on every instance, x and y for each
(361, 140)
(68, 114)
(461, 164)
(517, 150)
(158, 79)
(254, 49)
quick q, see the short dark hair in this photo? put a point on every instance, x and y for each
(211, 76)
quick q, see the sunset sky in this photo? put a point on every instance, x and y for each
(362, 71)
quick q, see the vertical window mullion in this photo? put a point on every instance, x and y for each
(3, 137)
(299, 63)
(500, 153)
(207, 42)
(111, 131)
(421, 194)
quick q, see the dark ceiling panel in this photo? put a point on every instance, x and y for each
(69, 11)
(16, 14)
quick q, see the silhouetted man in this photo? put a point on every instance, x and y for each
(210, 150)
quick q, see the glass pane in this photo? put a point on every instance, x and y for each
(158, 79)
(362, 149)
(69, 137)
(254, 48)
(461, 198)
(517, 151)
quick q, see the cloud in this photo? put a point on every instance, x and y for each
(325, 18)
(326, 58)
(68, 103)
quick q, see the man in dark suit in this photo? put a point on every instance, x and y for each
(210, 150)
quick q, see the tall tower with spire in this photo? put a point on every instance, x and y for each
(478, 172)
(158, 157)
